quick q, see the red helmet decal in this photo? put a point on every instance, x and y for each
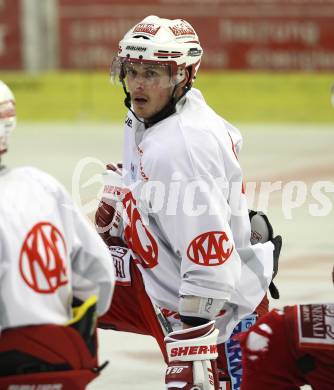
(148, 28)
(43, 259)
(210, 249)
(182, 29)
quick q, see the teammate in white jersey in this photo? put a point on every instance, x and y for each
(185, 214)
(49, 257)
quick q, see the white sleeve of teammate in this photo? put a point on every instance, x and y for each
(3, 251)
(2, 269)
(2, 265)
(92, 266)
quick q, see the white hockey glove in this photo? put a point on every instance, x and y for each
(192, 357)
(108, 216)
(262, 231)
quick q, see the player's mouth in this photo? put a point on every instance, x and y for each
(140, 100)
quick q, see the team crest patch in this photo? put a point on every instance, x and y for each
(42, 262)
(210, 249)
(316, 326)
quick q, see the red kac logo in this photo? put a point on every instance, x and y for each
(210, 249)
(138, 238)
(43, 259)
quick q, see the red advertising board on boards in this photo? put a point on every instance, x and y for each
(10, 35)
(235, 34)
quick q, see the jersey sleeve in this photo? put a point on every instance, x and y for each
(91, 263)
(2, 260)
(4, 264)
(2, 269)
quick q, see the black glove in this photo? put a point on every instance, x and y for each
(262, 231)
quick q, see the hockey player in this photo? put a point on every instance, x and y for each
(290, 348)
(184, 217)
(49, 257)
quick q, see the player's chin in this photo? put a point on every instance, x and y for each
(142, 112)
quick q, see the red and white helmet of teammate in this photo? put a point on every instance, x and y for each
(164, 42)
(7, 115)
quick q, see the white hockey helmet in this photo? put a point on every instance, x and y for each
(7, 115)
(163, 42)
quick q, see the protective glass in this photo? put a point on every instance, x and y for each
(149, 74)
(7, 109)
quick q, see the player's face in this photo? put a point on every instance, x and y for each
(150, 88)
(7, 123)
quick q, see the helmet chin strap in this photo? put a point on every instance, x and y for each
(166, 111)
(127, 101)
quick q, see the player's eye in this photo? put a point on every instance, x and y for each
(149, 74)
(131, 72)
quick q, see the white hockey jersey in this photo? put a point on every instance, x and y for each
(48, 252)
(187, 212)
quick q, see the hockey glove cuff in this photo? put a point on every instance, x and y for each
(192, 357)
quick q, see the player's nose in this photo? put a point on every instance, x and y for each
(139, 81)
(140, 84)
